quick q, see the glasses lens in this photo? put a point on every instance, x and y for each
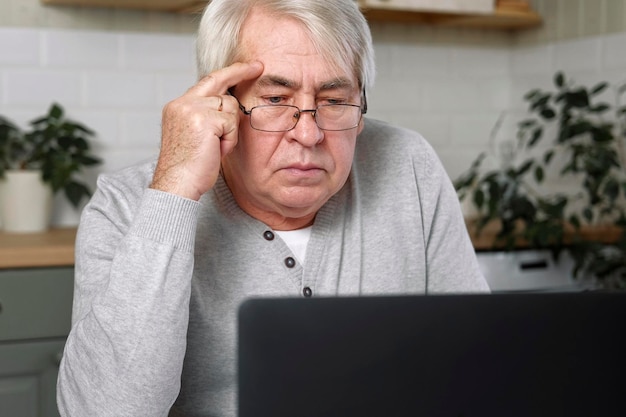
(338, 116)
(277, 118)
(281, 118)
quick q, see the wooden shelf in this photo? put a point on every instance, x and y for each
(504, 18)
(171, 6)
(486, 239)
(52, 248)
(508, 15)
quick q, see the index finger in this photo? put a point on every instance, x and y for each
(218, 82)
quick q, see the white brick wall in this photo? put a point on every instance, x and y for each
(117, 82)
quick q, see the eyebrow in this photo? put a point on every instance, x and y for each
(277, 80)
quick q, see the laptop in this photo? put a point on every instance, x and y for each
(496, 355)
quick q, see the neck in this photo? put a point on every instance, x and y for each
(274, 219)
(277, 221)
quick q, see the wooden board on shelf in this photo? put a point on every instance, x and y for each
(504, 17)
(442, 6)
(486, 239)
(508, 14)
(175, 6)
(26, 250)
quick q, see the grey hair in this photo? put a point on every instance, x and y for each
(337, 28)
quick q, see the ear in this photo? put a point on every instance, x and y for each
(360, 127)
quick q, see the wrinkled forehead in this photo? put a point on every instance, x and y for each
(276, 37)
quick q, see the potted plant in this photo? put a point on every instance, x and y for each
(572, 135)
(48, 156)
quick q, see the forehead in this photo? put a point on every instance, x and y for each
(289, 56)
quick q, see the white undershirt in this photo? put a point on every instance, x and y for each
(297, 240)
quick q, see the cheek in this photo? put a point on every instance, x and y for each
(254, 150)
(343, 156)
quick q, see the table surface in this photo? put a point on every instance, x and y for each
(25, 250)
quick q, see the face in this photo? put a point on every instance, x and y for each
(283, 178)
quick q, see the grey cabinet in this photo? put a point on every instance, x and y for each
(35, 314)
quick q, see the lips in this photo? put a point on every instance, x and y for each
(303, 170)
(303, 167)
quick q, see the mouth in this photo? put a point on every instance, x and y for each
(303, 170)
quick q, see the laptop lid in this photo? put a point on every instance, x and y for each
(554, 354)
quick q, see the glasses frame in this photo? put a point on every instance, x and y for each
(297, 115)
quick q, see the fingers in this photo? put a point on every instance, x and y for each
(218, 82)
(198, 130)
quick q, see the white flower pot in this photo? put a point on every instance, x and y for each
(25, 202)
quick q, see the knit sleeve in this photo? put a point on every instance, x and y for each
(134, 262)
(452, 266)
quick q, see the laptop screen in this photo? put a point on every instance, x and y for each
(534, 354)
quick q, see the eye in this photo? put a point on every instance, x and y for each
(274, 100)
(328, 101)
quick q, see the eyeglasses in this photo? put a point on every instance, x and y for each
(282, 118)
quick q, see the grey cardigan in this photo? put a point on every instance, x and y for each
(159, 278)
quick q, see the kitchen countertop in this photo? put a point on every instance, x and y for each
(26, 250)
(56, 246)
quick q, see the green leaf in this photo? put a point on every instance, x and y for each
(536, 136)
(55, 112)
(611, 189)
(598, 88)
(75, 191)
(479, 198)
(90, 161)
(547, 157)
(540, 102)
(601, 135)
(524, 124)
(600, 108)
(578, 98)
(548, 113)
(532, 94)
(525, 167)
(559, 79)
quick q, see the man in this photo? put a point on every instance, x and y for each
(269, 183)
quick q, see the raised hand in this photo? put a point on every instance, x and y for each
(198, 130)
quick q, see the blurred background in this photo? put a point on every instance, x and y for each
(113, 69)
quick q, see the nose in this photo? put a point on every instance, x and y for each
(306, 132)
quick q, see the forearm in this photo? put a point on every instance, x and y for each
(125, 352)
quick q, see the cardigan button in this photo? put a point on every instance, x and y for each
(307, 292)
(290, 262)
(268, 235)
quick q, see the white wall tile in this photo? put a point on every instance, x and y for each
(614, 52)
(19, 47)
(118, 89)
(472, 129)
(467, 94)
(578, 55)
(141, 130)
(155, 52)
(435, 128)
(411, 61)
(81, 49)
(38, 87)
(483, 62)
(171, 86)
(532, 60)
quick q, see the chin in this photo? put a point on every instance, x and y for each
(300, 207)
